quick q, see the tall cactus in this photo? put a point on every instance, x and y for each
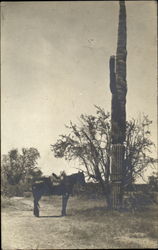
(118, 87)
(118, 83)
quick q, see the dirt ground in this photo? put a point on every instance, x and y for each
(87, 225)
(20, 229)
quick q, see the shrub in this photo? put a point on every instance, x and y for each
(137, 201)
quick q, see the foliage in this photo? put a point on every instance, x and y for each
(89, 143)
(18, 170)
(138, 149)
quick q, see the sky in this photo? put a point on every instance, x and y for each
(55, 66)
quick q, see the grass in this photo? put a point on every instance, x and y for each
(100, 225)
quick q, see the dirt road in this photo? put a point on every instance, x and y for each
(87, 225)
(20, 229)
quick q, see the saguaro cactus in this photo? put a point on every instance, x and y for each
(118, 87)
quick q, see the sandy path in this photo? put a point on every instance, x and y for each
(20, 229)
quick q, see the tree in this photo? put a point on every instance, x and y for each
(90, 144)
(138, 149)
(19, 168)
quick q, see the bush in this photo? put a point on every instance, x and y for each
(27, 194)
(91, 191)
(13, 190)
(154, 197)
(137, 201)
(16, 189)
(153, 182)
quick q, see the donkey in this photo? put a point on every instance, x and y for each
(64, 189)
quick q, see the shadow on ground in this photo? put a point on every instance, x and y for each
(50, 216)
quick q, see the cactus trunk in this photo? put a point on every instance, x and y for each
(118, 87)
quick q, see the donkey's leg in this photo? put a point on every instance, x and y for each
(36, 209)
(37, 196)
(35, 203)
(65, 198)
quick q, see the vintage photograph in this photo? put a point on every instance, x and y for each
(79, 165)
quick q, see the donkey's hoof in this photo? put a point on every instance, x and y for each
(36, 214)
(63, 214)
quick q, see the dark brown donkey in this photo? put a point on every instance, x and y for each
(64, 189)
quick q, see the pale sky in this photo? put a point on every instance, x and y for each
(55, 66)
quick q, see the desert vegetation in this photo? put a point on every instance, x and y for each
(89, 143)
(18, 170)
(90, 223)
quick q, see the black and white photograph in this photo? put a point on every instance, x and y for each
(79, 161)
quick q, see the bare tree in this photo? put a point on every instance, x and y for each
(89, 143)
(139, 147)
